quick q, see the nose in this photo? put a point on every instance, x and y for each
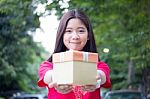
(75, 35)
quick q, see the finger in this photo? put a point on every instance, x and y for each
(89, 88)
(53, 84)
(98, 77)
(63, 89)
(67, 90)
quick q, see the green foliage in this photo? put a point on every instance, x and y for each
(123, 27)
(19, 54)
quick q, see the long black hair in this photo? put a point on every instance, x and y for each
(59, 45)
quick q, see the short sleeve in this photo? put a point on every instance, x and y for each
(105, 68)
(44, 67)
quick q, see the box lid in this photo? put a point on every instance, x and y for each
(72, 55)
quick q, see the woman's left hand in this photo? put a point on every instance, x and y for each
(88, 88)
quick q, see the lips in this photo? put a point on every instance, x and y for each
(75, 42)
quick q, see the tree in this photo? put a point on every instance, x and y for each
(18, 52)
(123, 27)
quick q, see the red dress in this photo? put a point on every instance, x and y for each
(53, 94)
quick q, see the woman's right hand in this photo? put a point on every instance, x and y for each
(60, 88)
(64, 89)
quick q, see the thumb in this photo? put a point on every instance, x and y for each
(53, 84)
(98, 77)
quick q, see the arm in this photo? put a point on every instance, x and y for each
(104, 72)
(44, 69)
(103, 75)
(45, 78)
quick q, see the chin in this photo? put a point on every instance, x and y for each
(75, 49)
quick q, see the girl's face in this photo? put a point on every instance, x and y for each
(76, 34)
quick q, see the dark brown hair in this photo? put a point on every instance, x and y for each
(59, 45)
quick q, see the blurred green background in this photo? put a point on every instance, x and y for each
(122, 26)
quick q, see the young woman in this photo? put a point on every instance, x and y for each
(74, 32)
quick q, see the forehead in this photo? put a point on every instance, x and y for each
(75, 22)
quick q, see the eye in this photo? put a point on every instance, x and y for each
(68, 31)
(81, 31)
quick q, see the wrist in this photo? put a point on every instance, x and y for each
(48, 77)
(102, 76)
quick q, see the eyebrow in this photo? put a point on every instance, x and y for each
(77, 28)
(81, 27)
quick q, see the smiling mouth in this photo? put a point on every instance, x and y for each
(75, 42)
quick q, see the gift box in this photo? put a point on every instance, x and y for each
(75, 67)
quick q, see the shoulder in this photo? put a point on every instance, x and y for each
(101, 63)
(103, 66)
(46, 64)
